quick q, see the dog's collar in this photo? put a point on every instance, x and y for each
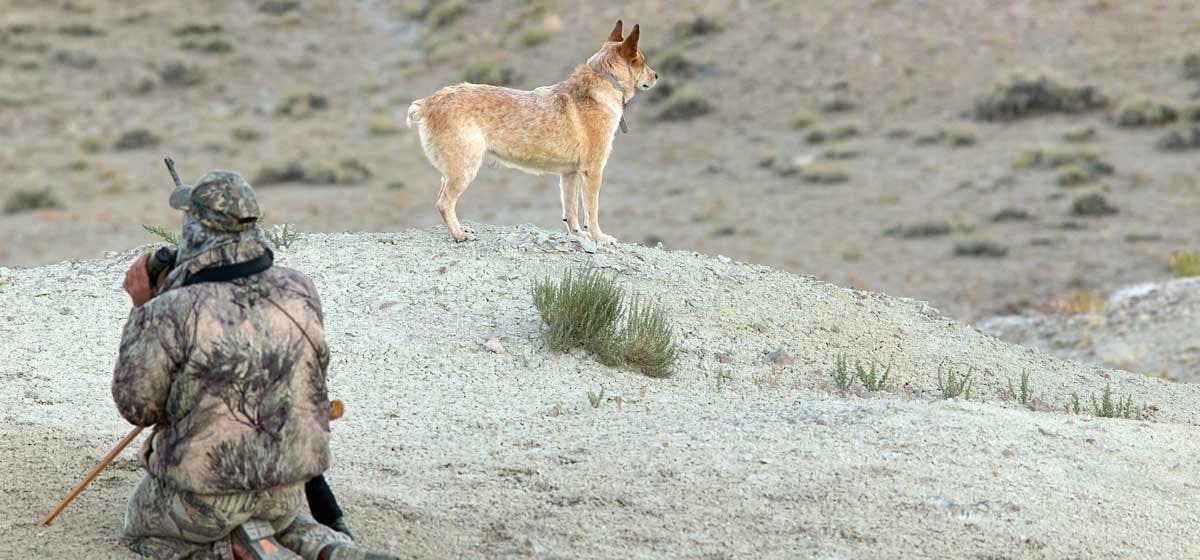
(616, 84)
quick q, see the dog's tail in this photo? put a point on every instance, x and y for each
(414, 113)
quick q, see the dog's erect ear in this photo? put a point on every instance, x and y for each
(629, 47)
(615, 36)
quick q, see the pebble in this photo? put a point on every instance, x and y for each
(493, 345)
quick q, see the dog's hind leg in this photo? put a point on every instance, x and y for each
(568, 184)
(459, 166)
(591, 203)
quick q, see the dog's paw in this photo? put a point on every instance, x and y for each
(466, 235)
(603, 238)
(469, 231)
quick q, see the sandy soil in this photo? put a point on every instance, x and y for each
(693, 184)
(451, 450)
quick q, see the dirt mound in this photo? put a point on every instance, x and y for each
(465, 437)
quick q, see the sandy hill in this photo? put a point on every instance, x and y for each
(451, 449)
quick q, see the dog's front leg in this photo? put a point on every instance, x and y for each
(568, 184)
(591, 203)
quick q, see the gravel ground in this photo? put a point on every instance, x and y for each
(450, 449)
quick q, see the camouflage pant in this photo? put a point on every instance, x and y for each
(166, 524)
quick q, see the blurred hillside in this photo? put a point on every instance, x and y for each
(837, 139)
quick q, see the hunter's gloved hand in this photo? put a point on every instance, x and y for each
(137, 281)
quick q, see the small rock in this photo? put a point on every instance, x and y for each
(493, 345)
(724, 357)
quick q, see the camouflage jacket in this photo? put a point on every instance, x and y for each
(234, 390)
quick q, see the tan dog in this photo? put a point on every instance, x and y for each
(566, 128)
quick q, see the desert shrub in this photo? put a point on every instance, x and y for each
(197, 28)
(76, 58)
(81, 30)
(1072, 174)
(1082, 301)
(489, 71)
(1184, 264)
(333, 170)
(953, 385)
(871, 380)
(245, 134)
(1191, 65)
(28, 200)
(1023, 93)
(301, 103)
(647, 342)
(843, 150)
(697, 25)
(1110, 407)
(928, 228)
(278, 7)
(168, 236)
(899, 133)
(1012, 215)
(1025, 394)
(1092, 203)
(1181, 139)
(443, 12)
(1085, 134)
(383, 125)
(842, 378)
(281, 235)
(587, 309)
(91, 144)
(803, 120)
(684, 103)
(820, 133)
(212, 46)
(1052, 157)
(1141, 110)
(836, 102)
(823, 173)
(181, 74)
(676, 62)
(137, 139)
(768, 159)
(980, 246)
(534, 37)
(961, 134)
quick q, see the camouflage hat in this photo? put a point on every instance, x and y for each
(220, 200)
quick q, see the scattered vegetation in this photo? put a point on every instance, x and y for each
(1012, 215)
(953, 385)
(1093, 203)
(823, 173)
(441, 13)
(1082, 301)
(245, 134)
(843, 150)
(76, 58)
(1141, 110)
(1079, 135)
(1110, 407)
(1073, 174)
(181, 74)
(278, 7)
(281, 235)
(803, 120)
(1191, 65)
(836, 102)
(595, 399)
(1023, 93)
(1184, 264)
(842, 378)
(211, 46)
(962, 134)
(981, 246)
(335, 170)
(301, 103)
(1025, 395)
(137, 139)
(820, 133)
(383, 125)
(697, 25)
(1180, 139)
(871, 381)
(170, 237)
(676, 62)
(489, 71)
(1051, 157)
(534, 37)
(684, 103)
(587, 309)
(928, 228)
(29, 200)
(197, 28)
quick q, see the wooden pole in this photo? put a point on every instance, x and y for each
(133, 434)
(336, 409)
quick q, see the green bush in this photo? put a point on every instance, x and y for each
(1185, 264)
(489, 71)
(952, 385)
(684, 103)
(1141, 110)
(1092, 204)
(30, 200)
(1024, 93)
(587, 309)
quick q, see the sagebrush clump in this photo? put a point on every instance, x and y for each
(587, 309)
(1023, 93)
(1185, 264)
